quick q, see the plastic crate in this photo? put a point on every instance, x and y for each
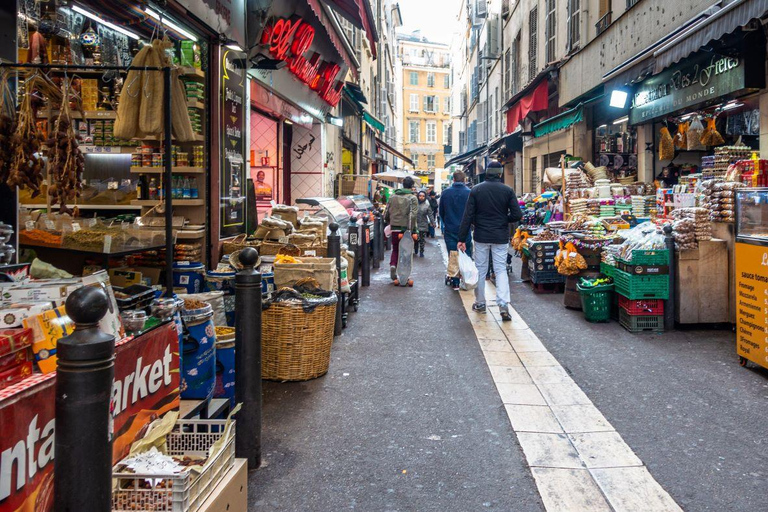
(648, 258)
(606, 269)
(177, 492)
(542, 266)
(642, 307)
(546, 277)
(596, 302)
(641, 323)
(641, 287)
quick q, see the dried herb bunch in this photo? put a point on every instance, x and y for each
(65, 158)
(7, 126)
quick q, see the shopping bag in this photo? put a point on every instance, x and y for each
(469, 273)
(453, 264)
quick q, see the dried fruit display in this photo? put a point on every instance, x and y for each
(65, 158)
(7, 127)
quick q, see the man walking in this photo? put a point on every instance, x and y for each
(491, 208)
(453, 201)
(401, 213)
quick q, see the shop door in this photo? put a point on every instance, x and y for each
(264, 160)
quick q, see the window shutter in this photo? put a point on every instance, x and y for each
(426, 104)
(481, 7)
(569, 27)
(437, 104)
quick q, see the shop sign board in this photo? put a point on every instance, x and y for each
(752, 302)
(232, 182)
(223, 16)
(705, 77)
(146, 387)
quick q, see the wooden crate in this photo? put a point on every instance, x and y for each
(702, 284)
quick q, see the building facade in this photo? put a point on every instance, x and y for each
(426, 101)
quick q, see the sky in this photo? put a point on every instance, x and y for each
(435, 18)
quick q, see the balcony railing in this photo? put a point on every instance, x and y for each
(505, 8)
(604, 22)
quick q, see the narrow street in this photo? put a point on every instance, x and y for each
(410, 417)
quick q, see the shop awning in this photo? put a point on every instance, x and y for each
(356, 93)
(336, 38)
(563, 120)
(535, 101)
(510, 143)
(359, 13)
(394, 175)
(466, 157)
(373, 122)
(725, 21)
(392, 151)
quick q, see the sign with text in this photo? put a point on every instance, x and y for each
(752, 303)
(701, 78)
(146, 386)
(232, 198)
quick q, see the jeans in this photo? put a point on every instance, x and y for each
(452, 241)
(395, 248)
(484, 252)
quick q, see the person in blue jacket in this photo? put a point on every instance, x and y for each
(453, 201)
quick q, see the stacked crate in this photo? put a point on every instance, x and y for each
(541, 262)
(642, 286)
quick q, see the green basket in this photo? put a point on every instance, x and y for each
(606, 269)
(648, 258)
(636, 287)
(641, 323)
(596, 302)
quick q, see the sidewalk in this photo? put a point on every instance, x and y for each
(407, 419)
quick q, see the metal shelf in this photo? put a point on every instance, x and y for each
(161, 170)
(175, 202)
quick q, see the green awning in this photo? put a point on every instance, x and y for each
(373, 122)
(563, 120)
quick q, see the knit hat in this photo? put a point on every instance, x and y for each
(494, 168)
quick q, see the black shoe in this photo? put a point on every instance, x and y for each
(478, 308)
(504, 312)
(421, 254)
(393, 272)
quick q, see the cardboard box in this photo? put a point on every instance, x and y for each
(12, 340)
(149, 276)
(13, 315)
(15, 374)
(232, 492)
(16, 358)
(47, 329)
(55, 290)
(124, 277)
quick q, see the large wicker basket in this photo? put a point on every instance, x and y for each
(296, 339)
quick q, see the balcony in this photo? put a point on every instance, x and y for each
(505, 8)
(604, 23)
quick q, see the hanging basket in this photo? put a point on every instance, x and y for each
(296, 338)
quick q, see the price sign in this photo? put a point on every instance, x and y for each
(75, 227)
(49, 225)
(751, 305)
(107, 244)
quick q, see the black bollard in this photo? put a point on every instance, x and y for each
(365, 253)
(84, 377)
(334, 251)
(248, 358)
(376, 235)
(670, 308)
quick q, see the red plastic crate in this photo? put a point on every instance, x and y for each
(642, 307)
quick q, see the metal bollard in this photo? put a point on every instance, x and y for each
(248, 358)
(334, 251)
(376, 239)
(365, 253)
(670, 308)
(84, 377)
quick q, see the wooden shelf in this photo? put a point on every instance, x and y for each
(153, 138)
(90, 149)
(86, 206)
(89, 114)
(192, 72)
(190, 235)
(196, 104)
(176, 202)
(161, 170)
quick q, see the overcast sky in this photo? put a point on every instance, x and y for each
(435, 18)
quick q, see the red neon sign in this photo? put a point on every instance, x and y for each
(289, 39)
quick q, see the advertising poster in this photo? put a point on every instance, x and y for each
(233, 196)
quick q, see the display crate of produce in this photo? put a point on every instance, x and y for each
(648, 258)
(547, 277)
(596, 302)
(607, 270)
(177, 492)
(642, 307)
(641, 287)
(641, 323)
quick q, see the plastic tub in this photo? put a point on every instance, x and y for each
(199, 353)
(188, 275)
(225, 364)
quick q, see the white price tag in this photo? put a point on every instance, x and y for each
(107, 243)
(49, 225)
(283, 240)
(89, 223)
(30, 225)
(75, 227)
(310, 253)
(113, 185)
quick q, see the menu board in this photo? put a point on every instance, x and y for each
(752, 302)
(233, 144)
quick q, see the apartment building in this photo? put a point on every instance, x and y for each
(426, 97)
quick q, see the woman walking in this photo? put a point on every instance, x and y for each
(425, 219)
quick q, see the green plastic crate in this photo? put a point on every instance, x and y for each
(641, 287)
(607, 269)
(648, 258)
(596, 302)
(641, 323)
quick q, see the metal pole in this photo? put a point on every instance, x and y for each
(670, 309)
(85, 374)
(334, 251)
(168, 185)
(365, 253)
(377, 234)
(248, 358)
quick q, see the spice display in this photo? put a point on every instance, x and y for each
(93, 239)
(191, 304)
(39, 237)
(66, 160)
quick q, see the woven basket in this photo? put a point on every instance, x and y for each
(627, 180)
(296, 343)
(238, 243)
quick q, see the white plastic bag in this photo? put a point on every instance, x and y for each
(469, 273)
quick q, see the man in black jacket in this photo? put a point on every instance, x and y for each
(491, 208)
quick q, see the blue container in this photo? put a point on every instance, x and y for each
(225, 371)
(267, 282)
(189, 275)
(223, 282)
(198, 367)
